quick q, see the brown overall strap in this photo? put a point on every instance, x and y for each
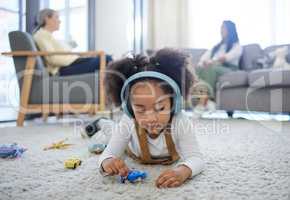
(171, 147)
(145, 157)
(143, 142)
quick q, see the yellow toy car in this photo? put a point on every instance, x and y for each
(72, 163)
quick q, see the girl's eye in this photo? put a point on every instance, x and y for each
(159, 109)
(139, 110)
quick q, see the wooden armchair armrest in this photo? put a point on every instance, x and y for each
(51, 53)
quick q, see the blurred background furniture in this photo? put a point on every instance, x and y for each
(43, 93)
(252, 88)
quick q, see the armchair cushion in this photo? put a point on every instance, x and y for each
(76, 89)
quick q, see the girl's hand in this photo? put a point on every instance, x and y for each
(115, 166)
(173, 177)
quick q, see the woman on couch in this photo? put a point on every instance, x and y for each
(47, 23)
(224, 57)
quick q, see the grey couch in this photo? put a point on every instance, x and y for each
(252, 88)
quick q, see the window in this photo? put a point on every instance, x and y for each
(11, 18)
(265, 22)
(115, 27)
(74, 18)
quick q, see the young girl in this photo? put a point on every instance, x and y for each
(153, 129)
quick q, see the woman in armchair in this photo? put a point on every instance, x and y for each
(47, 23)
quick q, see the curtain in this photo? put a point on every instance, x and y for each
(167, 23)
(196, 23)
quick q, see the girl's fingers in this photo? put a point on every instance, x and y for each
(120, 164)
(109, 171)
(168, 182)
(122, 168)
(123, 172)
(175, 184)
(127, 169)
(158, 180)
(115, 168)
(162, 179)
(163, 174)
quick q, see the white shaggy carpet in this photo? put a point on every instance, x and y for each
(244, 160)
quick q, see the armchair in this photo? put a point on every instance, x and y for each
(42, 93)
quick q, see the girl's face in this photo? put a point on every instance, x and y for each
(151, 106)
(53, 22)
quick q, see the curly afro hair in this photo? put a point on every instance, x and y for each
(171, 62)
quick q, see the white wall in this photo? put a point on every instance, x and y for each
(196, 23)
(114, 26)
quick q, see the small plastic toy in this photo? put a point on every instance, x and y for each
(93, 127)
(58, 145)
(134, 176)
(11, 151)
(97, 148)
(72, 163)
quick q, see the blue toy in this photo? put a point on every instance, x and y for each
(11, 151)
(97, 148)
(134, 176)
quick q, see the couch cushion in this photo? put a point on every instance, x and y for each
(288, 57)
(251, 53)
(269, 78)
(233, 79)
(269, 49)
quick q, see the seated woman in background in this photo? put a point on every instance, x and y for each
(222, 58)
(47, 23)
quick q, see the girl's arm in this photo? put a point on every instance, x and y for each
(188, 148)
(118, 142)
(191, 162)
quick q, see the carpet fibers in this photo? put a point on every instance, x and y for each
(244, 160)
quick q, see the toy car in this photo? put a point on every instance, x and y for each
(11, 151)
(134, 176)
(72, 163)
(97, 148)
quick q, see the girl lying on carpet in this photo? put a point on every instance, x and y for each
(153, 129)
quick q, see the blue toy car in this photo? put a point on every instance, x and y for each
(11, 151)
(134, 176)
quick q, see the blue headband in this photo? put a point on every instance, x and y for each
(152, 74)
